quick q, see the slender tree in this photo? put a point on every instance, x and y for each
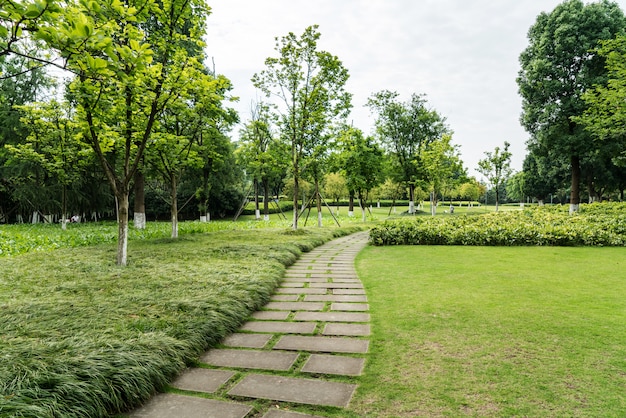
(497, 168)
(309, 85)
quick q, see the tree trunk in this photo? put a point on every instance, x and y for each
(139, 215)
(257, 211)
(318, 198)
(351, 205)
(411, 199)
(295, 202)
(497, 198)
(574, 200)
(122, 228)
(266, 198)
(174, 206)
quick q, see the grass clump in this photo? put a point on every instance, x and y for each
(594, 225)
(80, 336)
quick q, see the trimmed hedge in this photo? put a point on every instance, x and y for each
(599, 224)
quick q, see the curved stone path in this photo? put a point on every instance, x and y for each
(314, 329)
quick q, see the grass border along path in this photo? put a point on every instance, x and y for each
(494, 332)
(80, 336)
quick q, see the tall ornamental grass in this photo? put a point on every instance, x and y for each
(82, 337)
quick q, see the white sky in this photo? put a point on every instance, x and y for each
(463, 54)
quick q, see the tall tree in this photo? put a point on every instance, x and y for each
(130, 61)
(406, 129)
(310, 87)
(497, 168)
(557, 67)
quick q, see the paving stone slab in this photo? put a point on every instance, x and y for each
(288, 283)
(350, 307)
(250, 359)
(284, 298)
(289, 389)
(328, 364)
(332, 316)
(295, 306)
(202, 380)
(168, 405)
(300, 291)
(337, 285)
(280, 327)
(322, 344)
(247, 340)
(335, 298)
(294, 279)
(279, 413)
(348, 291)
(270, 315)
(348, 330)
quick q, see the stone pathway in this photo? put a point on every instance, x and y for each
(313, 331)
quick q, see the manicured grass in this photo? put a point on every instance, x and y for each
(493, 331)
(82, 337)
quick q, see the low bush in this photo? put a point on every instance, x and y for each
(594, 225)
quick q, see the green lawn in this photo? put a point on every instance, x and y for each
(476, 331)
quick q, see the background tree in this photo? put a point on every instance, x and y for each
(516, 187)
(310, 87)
(471, 190)
(405, 129)
(557, 67)
(362, 160)
(443, 168)
(335, 188)
(496, 167)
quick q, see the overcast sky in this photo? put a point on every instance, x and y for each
(463, 54)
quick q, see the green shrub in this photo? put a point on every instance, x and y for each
(594, 225)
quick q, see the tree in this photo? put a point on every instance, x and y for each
(130, 60)
(310, 87)
(335, 187)
(516, 187)
(259, 152)
(471, 190)
(443, 168)
(361, 159)
(557, 67)
(497, 168)
(405, 129)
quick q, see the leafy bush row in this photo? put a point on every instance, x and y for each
(594, 225)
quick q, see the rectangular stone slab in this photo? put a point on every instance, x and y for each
(247, 340)
(348, 291)
(280, 327)
(338, 285)
(340, 365)
(348, 330)
(332, 316)
(335, 298)
(300, 291)
(284, 298)
(295, 306)
(271, 315)
(202, 380)
(250, 359)
(168, 405)
(350, 307)
(322, 344)
(289, 389)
